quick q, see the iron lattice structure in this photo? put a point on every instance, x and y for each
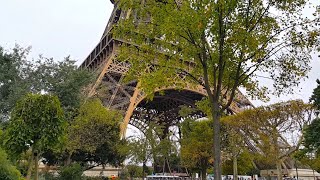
(132, 102)
(128, 98)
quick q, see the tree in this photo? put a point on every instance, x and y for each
(19, 76)
(72, 171)
(245, 161)
(36, 123)
(65, 80)
(315, 97)
(266, 128)
(311, 132)
(307, 158)
(7, 170)
(94, 135)
(135, 171)
(311, 136)
(139, 150)
(15, 79)
(196, 145)
(234, 147)
(153, 146)
(220, 45)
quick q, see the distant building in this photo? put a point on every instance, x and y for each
(302, 174)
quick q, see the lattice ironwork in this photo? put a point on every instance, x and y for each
(164, 109)
(128, 98)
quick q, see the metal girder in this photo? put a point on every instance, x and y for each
(132, 102)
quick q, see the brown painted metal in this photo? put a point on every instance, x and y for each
(126, 97)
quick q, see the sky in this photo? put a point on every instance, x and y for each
(54, 28)
(58, 28)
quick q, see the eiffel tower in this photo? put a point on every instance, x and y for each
(128, 98)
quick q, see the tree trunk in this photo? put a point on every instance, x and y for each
(144, 169)
(30, 162)
(164, 166)
(216, 141)
(279, 169)
(36, 163)
(169, 168)
(203, 173)
(68, 162)
(235, 168)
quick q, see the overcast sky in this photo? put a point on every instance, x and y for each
(58, 28)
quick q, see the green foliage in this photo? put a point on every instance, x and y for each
(19, 76)
(196, 144)
(312, 135)
(154, 145)
(15, 79)
(48, 176)
(134, 171)
(307, 158)
(311, 132)
(139, 150)
(315, 98)
(36, 121)
(245, 164)
(268, 126)
(7, 170)
(220, 45)
(124, 174)
(65, 80)
(94, 126)
(228, 41)
(95, 134)
(73, 171)
(1, 138)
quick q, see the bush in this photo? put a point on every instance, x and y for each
(7, 170)
(73, 171)
(48, 176)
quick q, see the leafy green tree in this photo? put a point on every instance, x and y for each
(315, 97)
(134, 171)
(153, 146)
(244, 164)
(307, 158)
(7, 170)
(15, 79)
(196, 145)
(72, 171)
(95, 135)
(19, 76)
(311, 132)
(219, 44)
(36, 123)
(139, 150)
(233, 145)
(311, 136)
(64, 79)
(267, 127)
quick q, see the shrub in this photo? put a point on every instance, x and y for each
(73, 171)
(7, 170)
(48, 176)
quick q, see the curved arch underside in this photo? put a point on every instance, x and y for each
(129, 99)
(164, 109)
